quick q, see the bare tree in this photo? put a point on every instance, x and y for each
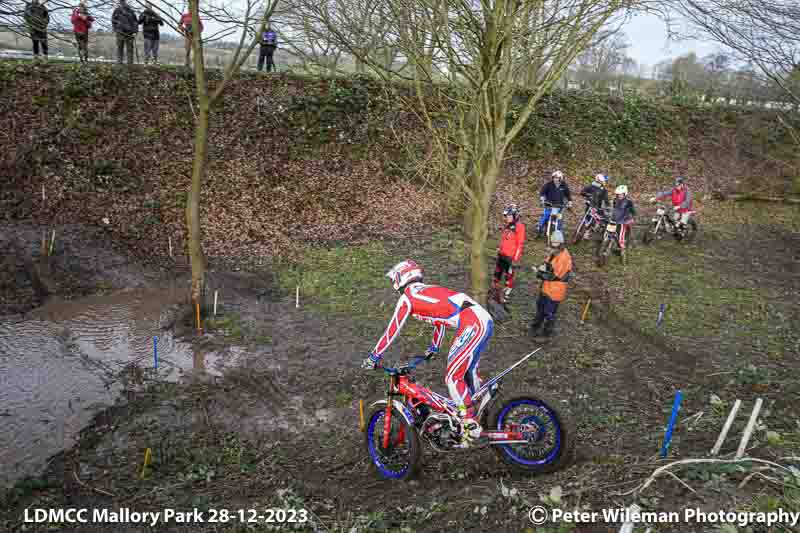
(764, 33)
(604, 60)
(486, 48)
(250, 23)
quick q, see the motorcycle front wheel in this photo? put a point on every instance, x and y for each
(401, 459)
(601, 252)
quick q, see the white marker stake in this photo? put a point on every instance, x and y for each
(43, 196)
(749, 429)
(297, 298)
(627, 527)
(170, 246)
(726, 427)
(215, 302)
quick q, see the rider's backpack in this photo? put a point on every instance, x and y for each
(270, 38)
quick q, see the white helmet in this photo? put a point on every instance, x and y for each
(557, 238)
(557, 174)
(404, 273)
(622, 189)
(601, 178)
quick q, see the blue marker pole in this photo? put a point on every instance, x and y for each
(155, 353)
(672, 419)
(660, 315)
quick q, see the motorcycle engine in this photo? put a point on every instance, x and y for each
(437, 431)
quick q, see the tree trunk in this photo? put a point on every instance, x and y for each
(476, 227)
(193, 204)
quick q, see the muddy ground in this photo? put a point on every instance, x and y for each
(281, 430)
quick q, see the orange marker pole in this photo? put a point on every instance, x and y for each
(361, 412)
(585, 310)
(199, 327)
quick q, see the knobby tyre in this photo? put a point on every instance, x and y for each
(649, 236)
(401, 461)
(551, 444)
(601, 252)
(691, 231)
(579, 233)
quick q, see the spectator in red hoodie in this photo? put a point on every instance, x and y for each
(186, 27)
(81, 24)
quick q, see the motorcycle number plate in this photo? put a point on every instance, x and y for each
(660, 211)
(611, 227)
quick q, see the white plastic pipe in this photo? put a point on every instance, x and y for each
(297, 298)
(748, 431)
(215, 302)
(43, 196)
(627, 527)
(726, 427)
(170, 246)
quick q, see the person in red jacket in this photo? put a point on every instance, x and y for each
(186, 28)
(81, 24)
(508, 253)
(681, 198)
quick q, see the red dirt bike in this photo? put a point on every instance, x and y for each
(610, 244)
(593, 220)
(527, 432)
(663, 223)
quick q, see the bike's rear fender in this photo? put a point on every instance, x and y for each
(407, 414)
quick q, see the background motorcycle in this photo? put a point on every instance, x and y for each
(609, 244)
(663, 223)
(593, 220)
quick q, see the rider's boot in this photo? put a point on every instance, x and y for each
(549, 326)
(506, 299)
(470, 428)
(536, 325)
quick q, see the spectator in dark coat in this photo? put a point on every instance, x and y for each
(150, 21)
(126, 26)
(37, 19)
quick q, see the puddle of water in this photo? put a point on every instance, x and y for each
(61, 365)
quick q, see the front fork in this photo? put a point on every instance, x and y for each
(387, 417)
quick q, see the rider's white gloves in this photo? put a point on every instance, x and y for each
(653, 199)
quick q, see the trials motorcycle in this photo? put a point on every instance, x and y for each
(525, 431)
(663, 223)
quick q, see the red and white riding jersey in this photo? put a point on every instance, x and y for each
(429, 303)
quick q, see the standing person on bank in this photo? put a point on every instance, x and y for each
(269, 42)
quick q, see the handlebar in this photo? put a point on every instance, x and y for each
(406, 368)
(560, 206)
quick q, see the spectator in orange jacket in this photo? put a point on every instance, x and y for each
(186, 28)
(555, 272)
(508, 253)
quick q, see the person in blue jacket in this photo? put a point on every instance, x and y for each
(555, 192)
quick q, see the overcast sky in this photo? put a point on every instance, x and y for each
(649, 45)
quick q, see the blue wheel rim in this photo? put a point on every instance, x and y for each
(542, 431)
(375, 454)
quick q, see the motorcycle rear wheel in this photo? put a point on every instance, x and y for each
(550, 426)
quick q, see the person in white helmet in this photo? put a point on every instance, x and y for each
(445, 309)
(556, 192)
(622, 212)
(555, 272)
